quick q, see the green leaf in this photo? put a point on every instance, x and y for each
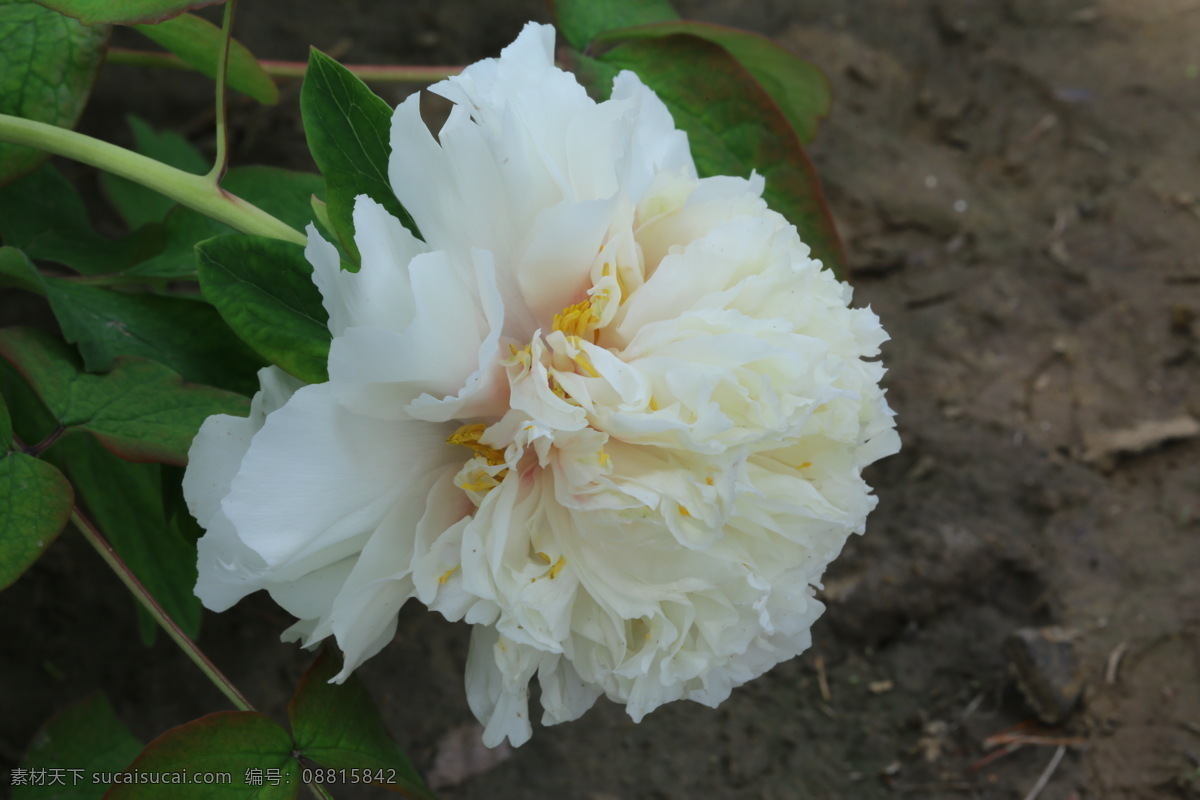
(86, 739)
(185, 334)
(35, 504)
(198, 42)
(799, 89)
(733, 127)
(137, 204)
(339, 726)
(349, 133)
(141, 411)
(125, 501)
(31, 420)
(43, 214)
(124, 12)
(581, 21)
(6, 429)
(47, 65)
(263, 288)
(237, 744)
(17, 271)
(285, 194)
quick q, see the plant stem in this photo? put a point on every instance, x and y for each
(190, 649)
(194, 191)
(96, 539)
(319, 790)
(218, 169)
(393, 73)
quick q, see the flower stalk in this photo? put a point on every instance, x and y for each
(381, 73)
(197, 192)
(190, 648)
(101, 545)
(219, 163)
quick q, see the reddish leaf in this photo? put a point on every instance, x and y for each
(733, 127)
(338, 725)
(223, 756)
(141, 411)
(799, 89)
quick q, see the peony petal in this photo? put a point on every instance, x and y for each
(342, 471)
(222, 441)
(445, 363)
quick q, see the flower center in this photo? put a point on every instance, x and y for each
(576, 320)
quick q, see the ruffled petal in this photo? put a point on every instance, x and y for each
(342, 472)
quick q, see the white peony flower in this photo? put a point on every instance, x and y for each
(610, 414)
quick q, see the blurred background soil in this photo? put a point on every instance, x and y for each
(1018, 186)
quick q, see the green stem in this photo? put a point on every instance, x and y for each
(190, 649)
(319, 791)
(393, 73)
(96, 539)
(218, 169)
(194, 191)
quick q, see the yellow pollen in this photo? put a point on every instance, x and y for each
(468, 436)
(445, 576)
(575, 320)
(653, 404)
(709, 480)
(557, 568)
(805, 465)
(482, 485)
(683, 512)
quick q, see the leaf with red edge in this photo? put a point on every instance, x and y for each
(223, 756)
(141, 411)
(35, 504)
(799, 89)
(580, 21)
(338, 726)
(733, 127)
(124, 12)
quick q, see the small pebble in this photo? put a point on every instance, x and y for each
(1047, 671)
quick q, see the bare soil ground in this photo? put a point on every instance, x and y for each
(1018, 185)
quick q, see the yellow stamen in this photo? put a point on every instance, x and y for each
(683, 512)
(445, 576)
(582, 360)
(805, 465)
(709, 480)
(468, 436)
(545, 558)
(653, 404)
(557, 568)
(575, 320)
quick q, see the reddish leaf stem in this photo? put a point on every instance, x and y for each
(396, 73)
(36, 449)
(97, 540)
